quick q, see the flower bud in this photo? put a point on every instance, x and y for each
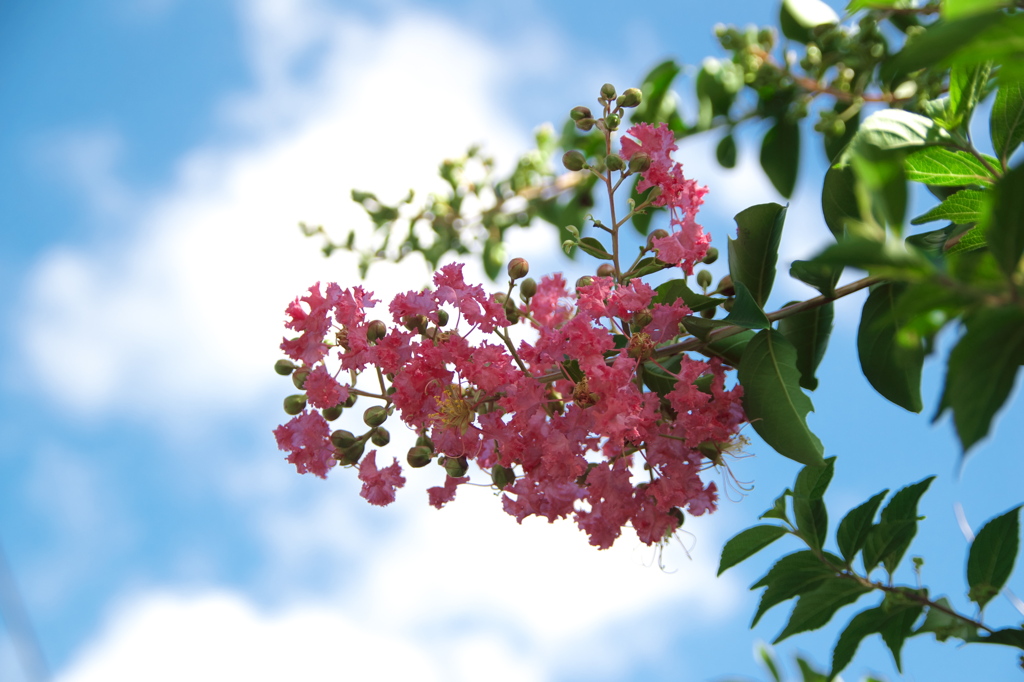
(630, 98)
(376, 331)
(704, 278)
(527, 288)
(442, 317)
(351, 454)
(456, 466)
(677, 513)
(580, 113)
(502, 476)
(585, 280)
(294, 404)
(343, 439)
(640, 347)
(585, 123)
(639, 162)
(419, 456)
(380, 437)
(612, 121)
(574, 160)
(614, 162)
(284, 367)
(567, 245)
(725, 286)
(500, 298)
(727, 304)
(415, 323)
(375, 416)
(331, 413)
(350, 400)
(711, 256)
(657, 234)
(571, 229)
(425, 442)
(642, 318)
(299, 378)
(608, 91)
(708, 313)
(512, 314)
(605, 270)
(518, 268)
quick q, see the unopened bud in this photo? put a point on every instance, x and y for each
(419, 456)
(284, 367)
(725, 286)
(677, 513)
(343, 439)
(580, 113)
(614, 162)
(294, 404)
(502, 476)
(527, 288)
(608, 91)
(518, 268)
(708, 313)
(350, 400)
(331, 413)
(456, 466)
(351, 454)
(574, 160)
(612, 121)
(376, 331)
(657, 234)
(727, 304)
(704, 278)
(567, 245)
(642, 318)
(425, 442)
(605, 270)
(711, 256)
(500, 298)
(442, 317)
(299, 378)
(630, 98)
(585, 280)
(585, 123)
(571, 229)
(512, 314)
(640, 347)
(380, 437)
(375, 415)
(639, 162)
(415, 323)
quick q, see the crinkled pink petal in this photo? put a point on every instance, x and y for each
(440, 496)
(379, 485)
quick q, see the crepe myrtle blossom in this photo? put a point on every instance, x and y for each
(585, 420)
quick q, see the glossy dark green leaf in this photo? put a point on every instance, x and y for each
(1004, 224)
(595, 248)
(747, 543)
(992, 556)
(892, 369)
(839, 199)
(1006, 123)
(818, 275)
(778, 510)
(946, 168)
(780, 156)
(669, 292)
(882, 183)
(755, 250)
(854, 528)
(725, 152)
(745, 311)
(815, 609)
(889, 258)
(944, 625)
(792, 575)
(962, 208)
(642, 220)
(812, 481)
(809, 331)
(658, 379)
(772, 399)
(808, 507)
(863, 624)
(981, 370)
(798, 18)
(893, 129)
(1009, 636)
(901, 614)
(889, 540)
(808, 673)
(731, 348)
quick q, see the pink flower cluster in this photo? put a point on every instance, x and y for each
(563, 424)
(687, 243)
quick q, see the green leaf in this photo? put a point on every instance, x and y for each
(854, 528)
(820, 276)
(968, 85)
(856, 5)
(731, 348)
(834, 144)
(809, 331)
(1009, 636)
(780, 155)
(755, 250)
(889, 258)
(657, 103)
(899, 623)
(772, 399)
(953, 9)
(893, 369)
(747, 543)
(658, 379)
(888, 541)
(992, 555)
(815, 609)
(725, 152)
(863, 624)
(770, 663)
(943, 625)
(1006, 122)
(961, 208)
(839, 199)
(891, 129)
(798, 18)
(961, 41)
(745, 311)
(981, 370)
(594, 248)
(493, 257)
(778, 510)
(946, 168)
(669, 292)
(1004, 224)
(808, 508)
(642, 220)
(792, 575)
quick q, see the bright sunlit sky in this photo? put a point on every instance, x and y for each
(156, 157)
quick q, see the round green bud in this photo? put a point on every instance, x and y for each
(704, 278)
(442, 317)
(518, 268)
(419, 456)
(502, 476)
(574, 160)
(501, 297)
(380, 437)
(708, 313)
(351, 454)
(376, 331)
(331, 413)
(426, 442)
(350, 400)
(710, 257)
(613, 121)
(630, 98)
(639, 162)
(725, 286)
(456, 466)
(677, 513)
(727, 304)
(605, 270)
(512, 314)
(343, 439)
(527, 288)
(585, 123)
(585, 280)
(375, 416)
(608, 91)
(294, 404)
(614, 162)
(415, 323)
(641, 319)
(580, 113)
(299, 378)
(657, 234)
(284, 367)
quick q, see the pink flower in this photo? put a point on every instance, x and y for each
(323, 390)
(379, 485)
(307, 438)
(439, 496)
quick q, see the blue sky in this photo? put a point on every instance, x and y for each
(156, 157)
